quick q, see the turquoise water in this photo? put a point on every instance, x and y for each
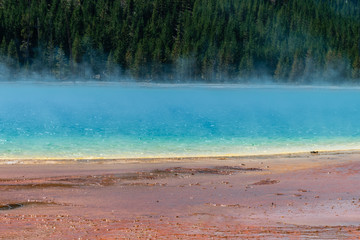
(119, 121)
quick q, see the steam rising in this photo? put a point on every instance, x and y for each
(91, 120)
(183, 75)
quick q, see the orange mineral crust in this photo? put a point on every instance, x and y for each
(302, 196)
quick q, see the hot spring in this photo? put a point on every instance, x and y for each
(128, 121)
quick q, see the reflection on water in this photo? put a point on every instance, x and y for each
(74, 121)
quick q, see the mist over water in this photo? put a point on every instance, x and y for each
(118, 120)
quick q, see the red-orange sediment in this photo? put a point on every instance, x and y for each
(309, 196)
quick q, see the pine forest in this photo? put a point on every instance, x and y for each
(287, 41)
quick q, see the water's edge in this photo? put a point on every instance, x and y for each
(287, 155)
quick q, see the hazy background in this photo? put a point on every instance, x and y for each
(207, 41)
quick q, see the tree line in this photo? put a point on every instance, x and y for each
(181, 40)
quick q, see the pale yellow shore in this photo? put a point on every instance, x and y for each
(162, 159)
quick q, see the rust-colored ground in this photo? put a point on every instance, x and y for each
(296, 197)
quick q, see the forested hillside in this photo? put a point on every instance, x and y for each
(181, 40)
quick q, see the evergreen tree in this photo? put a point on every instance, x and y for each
(110, 65)
(61, 64)
(356, 68)
(49, 57)
(76, 52)
(3, 47)
(282, 68)
(297, 68)
(12, 56)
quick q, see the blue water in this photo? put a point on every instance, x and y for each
(119, 121)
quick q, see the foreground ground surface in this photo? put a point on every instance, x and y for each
(294, 196)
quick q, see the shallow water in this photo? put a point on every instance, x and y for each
(119, 121)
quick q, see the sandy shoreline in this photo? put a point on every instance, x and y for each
(162, 159)
(292, 195)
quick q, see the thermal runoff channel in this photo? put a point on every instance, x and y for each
(128, 121)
